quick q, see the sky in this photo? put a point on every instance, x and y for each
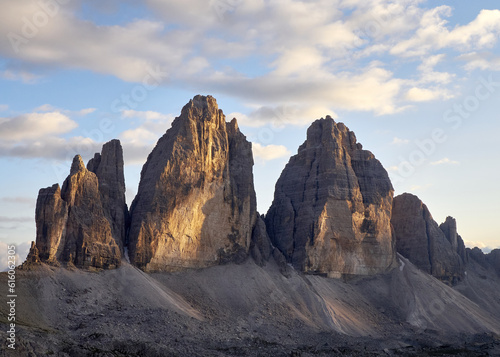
(417, 81)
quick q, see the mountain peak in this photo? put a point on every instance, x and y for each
(77, 165)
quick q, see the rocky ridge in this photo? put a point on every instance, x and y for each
(333, 212)
(437, 250)
(332, 206)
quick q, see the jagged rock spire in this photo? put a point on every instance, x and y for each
(196, 204)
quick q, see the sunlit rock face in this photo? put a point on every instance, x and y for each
(332, 206)
(196, 204)
(438, 250)
(84, 223)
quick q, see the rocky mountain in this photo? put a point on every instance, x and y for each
(196, 204)
(83, 224)
(332, 206)
(437, 250)
(333, 215)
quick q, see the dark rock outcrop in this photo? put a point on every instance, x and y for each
(487, 261)
(493, 259)
(83, 224)
(449, 228)
(108, 167)
(420, 239)
(332, 206)
(260, 246)
(478, 256)
(196, 204)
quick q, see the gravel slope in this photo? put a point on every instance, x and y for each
(245, 310)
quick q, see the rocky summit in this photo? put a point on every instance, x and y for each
(437, 250)
(332, 206)
(196, 204)
(83, 224)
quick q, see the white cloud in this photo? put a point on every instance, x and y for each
(146, 115)
(3, 107)
(305, 60)
(373, 89)
(481, 60)
(45, 108)
(50, 147)
(398, 141)
(433, 33)
(51, 108)
(21, 249)
(425, 94)
(282, 115)
(86, 111)
(23, 76)
(103, 49)
(34, 126)
(139, 141)
(269, 152)
(445, 161)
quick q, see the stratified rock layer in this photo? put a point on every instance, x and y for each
(196, 204)
(420, 239)
(332, 206)
(84, 222)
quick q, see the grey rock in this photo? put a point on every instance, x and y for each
(260, 247)
(108, 167)
(449, 228)
(332, 206)
(419, 238)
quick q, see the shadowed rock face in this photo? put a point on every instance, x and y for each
(434, 249)
(196, 204)
(108, 167)
(84, 222)
(449, 228)
(332, 206)
(487, 261)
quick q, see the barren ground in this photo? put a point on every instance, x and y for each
(245, 310)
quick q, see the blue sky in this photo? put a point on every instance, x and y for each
(417, 81)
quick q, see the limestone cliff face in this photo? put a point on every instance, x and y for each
(108, 167)
(84, 222)
(196, 204)
(332, 206)
(438, 251)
